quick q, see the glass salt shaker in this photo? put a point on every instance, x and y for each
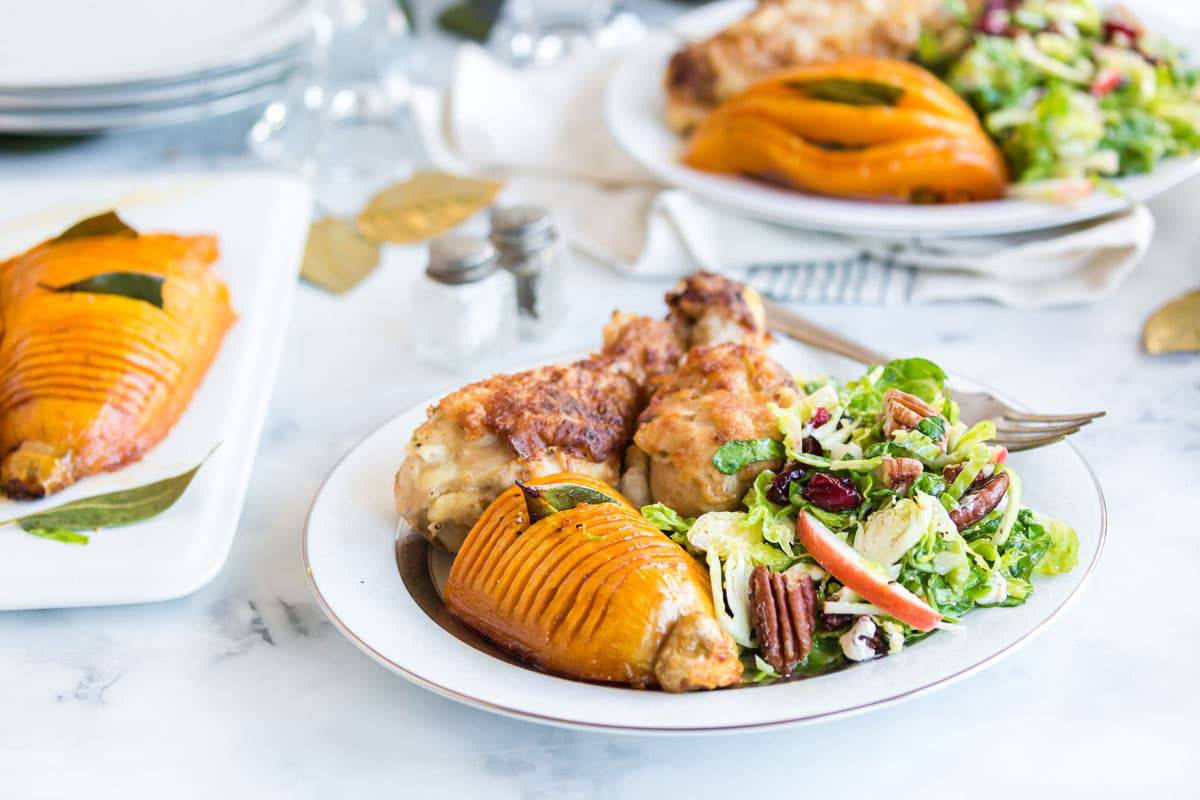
(530, 248)
(463, 309)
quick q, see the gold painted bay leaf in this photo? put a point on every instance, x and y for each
(424, 206)
(336, 257)
(1175, 327)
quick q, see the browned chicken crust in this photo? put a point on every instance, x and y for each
(719, 394)
(587, 408)
(779, 34)
(707, 309)
(573, 417)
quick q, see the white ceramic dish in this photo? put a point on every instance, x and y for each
(73, 121)
(193, 88)
(262, 221)
(67, 44)
(634, 103)
(349, 551)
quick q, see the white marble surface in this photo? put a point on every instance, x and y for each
(244, 687)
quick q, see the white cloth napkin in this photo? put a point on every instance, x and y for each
(544, 131)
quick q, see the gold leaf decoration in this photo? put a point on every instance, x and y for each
(1175, 327)
(424, 206)
(336, 257)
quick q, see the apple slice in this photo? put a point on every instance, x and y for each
(852, 570)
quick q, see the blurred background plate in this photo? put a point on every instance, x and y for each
(199, 85)
(66, 121)
(634, 112)
(67, 44)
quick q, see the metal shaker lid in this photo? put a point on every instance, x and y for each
(460, 259)
(526, 227)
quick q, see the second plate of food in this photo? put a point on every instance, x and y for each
(637, 108)
(383, 586)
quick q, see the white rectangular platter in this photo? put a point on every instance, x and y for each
(261, 221)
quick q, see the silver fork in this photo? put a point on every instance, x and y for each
(1015, 429)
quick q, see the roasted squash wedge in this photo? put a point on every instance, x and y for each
(92, 375)
(861, 127)
(592, 592)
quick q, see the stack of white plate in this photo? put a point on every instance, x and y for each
(71, 67)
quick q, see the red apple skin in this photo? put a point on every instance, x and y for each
(844, 563)
(1001, 456)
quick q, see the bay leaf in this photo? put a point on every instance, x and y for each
(849, 91)
(542, 501)
(113, 509)
(472, 19)
(1175, 327)
(134, 285)
(336, 257)
(424, 206)
(58, 535)
(106, 224)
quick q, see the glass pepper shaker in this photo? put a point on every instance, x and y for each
(463, 309)
(531, 250)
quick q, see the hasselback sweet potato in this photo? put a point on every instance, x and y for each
(92, 374)
(869, 128)
(592, 592)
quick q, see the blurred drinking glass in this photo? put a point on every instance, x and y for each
(540, 32)
(345, 122)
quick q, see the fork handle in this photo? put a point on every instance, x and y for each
(797, 327)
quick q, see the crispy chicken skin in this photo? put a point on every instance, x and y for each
(707, 309)
(564, 418)
(719, 394)
(779, 34)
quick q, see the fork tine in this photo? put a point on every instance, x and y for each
(1029, 427)
(1029, 444)
(1017, 416)
(1034, 434)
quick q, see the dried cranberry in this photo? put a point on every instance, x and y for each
(832, 494)
(810, 445)
(820, 417)
(833, 622)
(994, 22)
(1114, 26)
(779, 491)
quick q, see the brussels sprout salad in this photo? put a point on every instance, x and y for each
(888, 518)
(1072, 95)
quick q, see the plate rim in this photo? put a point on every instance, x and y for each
(291, 27)
(516, 713)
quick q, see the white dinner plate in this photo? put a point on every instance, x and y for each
(66, 43)
(351, 555)
(192, 88)
(261, 221)
(634, 110)
(73, 121)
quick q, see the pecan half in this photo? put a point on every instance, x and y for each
(784, 614)
(898, 474)
(903, 412)
(977, 504)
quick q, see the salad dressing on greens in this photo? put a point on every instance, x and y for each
(1072, 94)
(904, 518)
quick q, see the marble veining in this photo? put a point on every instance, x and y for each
(244, 689)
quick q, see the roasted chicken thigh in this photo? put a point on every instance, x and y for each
(576, 417)
(719, 394)
(565, 418)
